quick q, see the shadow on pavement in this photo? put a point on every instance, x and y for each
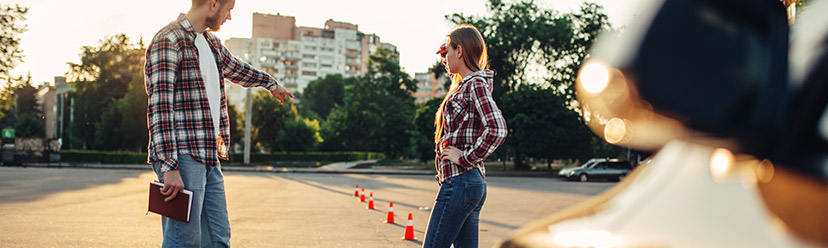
(30, 184)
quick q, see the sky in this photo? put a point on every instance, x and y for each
(58, 29)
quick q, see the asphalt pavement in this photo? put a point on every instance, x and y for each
(60, 207)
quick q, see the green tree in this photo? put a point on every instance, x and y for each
(522, 35)
(102, 77)
(322, 94)
(542, 126)
(26, 99)
(299, 135)
(236, 120)
(29, 126)
(108, 129)
(424, 122)
(378, 110)
(11, 55)
(132, 109)
(269, 118)
(10, 30)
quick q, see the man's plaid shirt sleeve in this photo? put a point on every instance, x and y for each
(494, 125)
(244, 74)
(160, 71)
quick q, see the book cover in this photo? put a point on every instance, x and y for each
(178, 208)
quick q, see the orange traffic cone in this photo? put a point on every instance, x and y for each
(371, 201)
(356, 190)
(362, 195)
(390, 218)
(409, 228)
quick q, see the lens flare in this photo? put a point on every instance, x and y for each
(594, 77)
(615, 130)
(721, 162)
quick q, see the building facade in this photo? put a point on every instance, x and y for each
(428, 87)
(295, 56)
(54, 102)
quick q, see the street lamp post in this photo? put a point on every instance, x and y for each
(248, 109)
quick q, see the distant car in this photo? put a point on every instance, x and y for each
(564, 173)
(613, 170)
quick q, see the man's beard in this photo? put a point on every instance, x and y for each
(213, 22)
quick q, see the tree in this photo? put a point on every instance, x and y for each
(423, 140)
(10, 30)
(299, 135)
(377, 111)
(10, 57)
(542, 126)
(26, 99)
(236, 131)
(103, 77)
(322, 94)
(132, 109)
(269, 118)
(29, 126)
(520, 36)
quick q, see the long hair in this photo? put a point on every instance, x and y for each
(475, 57)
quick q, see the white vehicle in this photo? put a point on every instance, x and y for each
(741, 134)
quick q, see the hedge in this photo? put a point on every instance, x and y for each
(106, 157)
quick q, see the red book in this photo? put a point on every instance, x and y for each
(178, 208)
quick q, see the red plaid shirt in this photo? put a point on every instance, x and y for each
(178, 113)
(472, 123)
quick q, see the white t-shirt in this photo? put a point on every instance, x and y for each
(210, 74)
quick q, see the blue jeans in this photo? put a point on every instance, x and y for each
(456, 213)
(209, 225)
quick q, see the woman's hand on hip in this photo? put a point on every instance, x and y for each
(452, 154)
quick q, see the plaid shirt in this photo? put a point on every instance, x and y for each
(472, 123)
(178, 113)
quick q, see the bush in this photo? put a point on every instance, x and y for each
(306, 156)
(106, 157)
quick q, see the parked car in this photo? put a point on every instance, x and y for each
(607, 169)
(564, 173)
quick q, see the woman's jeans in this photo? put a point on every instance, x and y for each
(456, 213)
(209, 225)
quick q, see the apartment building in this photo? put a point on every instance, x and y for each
(295, 55)
(428, 87)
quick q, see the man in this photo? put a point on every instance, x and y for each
(187, 118)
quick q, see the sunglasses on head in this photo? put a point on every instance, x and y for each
(442, 51)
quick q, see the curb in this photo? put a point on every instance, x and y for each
(231, 169)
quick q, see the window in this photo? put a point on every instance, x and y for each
(308, 73)
(326, 65)
(308, 56)
(306, 64)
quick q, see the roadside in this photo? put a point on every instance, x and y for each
(368, 167)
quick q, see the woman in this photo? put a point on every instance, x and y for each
(469, 127)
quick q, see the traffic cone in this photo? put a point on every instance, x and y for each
(409, 228)
(356, 190)
(390, 218)
(362, 195)
(371, 201)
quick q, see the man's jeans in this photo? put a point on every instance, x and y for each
(456, 213)
(209, 225)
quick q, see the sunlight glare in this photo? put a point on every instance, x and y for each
(615, 130)
(720, 163)
(594, 77)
